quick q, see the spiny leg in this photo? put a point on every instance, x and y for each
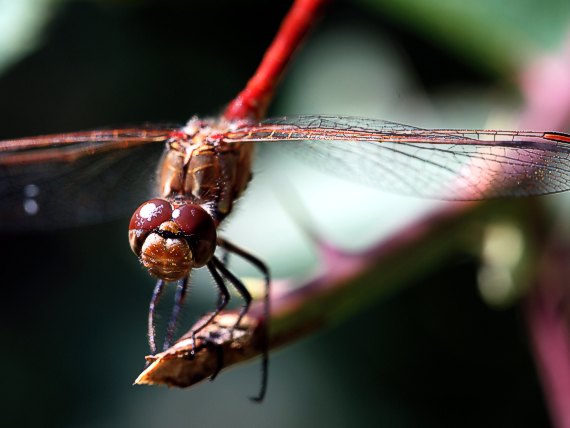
(257, 263)
(219, 356)
(181, 289)
(262, 267)
(225, 257)
(223, 297)
(156, 294)
(234, 280)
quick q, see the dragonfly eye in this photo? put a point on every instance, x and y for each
(146, 219)
(150, 215)
(157, 241)
(199, 229)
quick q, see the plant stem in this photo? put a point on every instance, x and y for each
(346, 283)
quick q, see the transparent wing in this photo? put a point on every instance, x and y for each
(63, 180)
(439, 163)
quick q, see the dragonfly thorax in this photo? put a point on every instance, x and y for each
(202, 167)
(171, 238)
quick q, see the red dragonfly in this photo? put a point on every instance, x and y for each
(206, 166)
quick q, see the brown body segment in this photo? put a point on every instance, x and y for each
(206, 170)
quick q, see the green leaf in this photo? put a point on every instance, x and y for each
(495, 35)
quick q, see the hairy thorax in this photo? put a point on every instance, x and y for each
(200, 167)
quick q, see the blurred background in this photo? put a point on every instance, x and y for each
(74, 302)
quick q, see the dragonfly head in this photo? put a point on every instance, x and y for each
(170, 239)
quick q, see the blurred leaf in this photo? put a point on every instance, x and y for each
(495, 35)
(21, 23)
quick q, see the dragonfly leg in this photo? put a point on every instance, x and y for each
(225, 257)
(181, 289)
(238, 285)
(223, 298)
(219, 358)
(262, 267)
(208, 342)
(156, 294)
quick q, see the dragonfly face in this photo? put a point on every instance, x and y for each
(171, 238)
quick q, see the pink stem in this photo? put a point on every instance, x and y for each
(550, 339)
(546, 87)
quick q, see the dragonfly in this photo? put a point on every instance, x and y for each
(192, 176)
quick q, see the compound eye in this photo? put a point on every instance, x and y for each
(150, 215)
(199, 229)
(191, 218)
(147, 218)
